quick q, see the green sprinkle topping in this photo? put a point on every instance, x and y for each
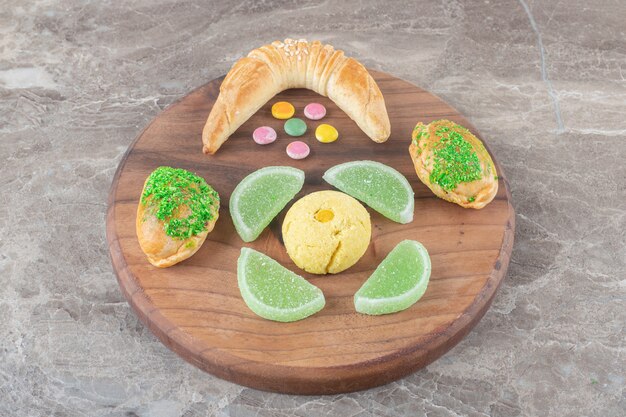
(422, 132)
(471, 199)
(455, 159)
(170, 191)
(442, 130)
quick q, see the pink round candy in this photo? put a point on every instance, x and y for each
(298, 150)
(314, 111)
(264, 135)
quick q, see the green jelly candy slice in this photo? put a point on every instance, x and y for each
(379, 186)
(260, 196)
(274, 292)
(398, 282)
(295, 127)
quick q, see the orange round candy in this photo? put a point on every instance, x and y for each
(283, 110)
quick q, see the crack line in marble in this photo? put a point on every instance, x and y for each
(544, 71)
(599, 132)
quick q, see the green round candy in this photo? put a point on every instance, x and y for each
(295, 127)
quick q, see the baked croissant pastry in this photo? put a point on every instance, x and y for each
(270, 69)
(176, 212)
(453, 163)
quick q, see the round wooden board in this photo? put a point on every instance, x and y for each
(195, 307)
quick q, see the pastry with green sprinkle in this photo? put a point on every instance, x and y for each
(453, 163)
(177, 210)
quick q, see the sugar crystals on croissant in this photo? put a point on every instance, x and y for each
(270, 69)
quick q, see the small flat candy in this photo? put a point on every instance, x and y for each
(283, 110)
(314, 111)
(295, 127)
(264, 135)
(298, 150)
(326, 133)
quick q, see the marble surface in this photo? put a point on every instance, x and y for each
(544, 81)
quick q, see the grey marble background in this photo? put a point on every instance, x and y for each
(544, 81)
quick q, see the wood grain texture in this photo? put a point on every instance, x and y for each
(195, 308)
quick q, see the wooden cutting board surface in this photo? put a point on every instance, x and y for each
(195, 307)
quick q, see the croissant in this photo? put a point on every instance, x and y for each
(453, 163)
(270, 69)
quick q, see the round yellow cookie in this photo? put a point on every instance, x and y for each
(326, 232)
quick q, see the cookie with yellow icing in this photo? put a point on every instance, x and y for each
(326, 232)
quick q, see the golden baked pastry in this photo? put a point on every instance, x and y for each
(176, 212)
(270, 69)
(453, 163)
